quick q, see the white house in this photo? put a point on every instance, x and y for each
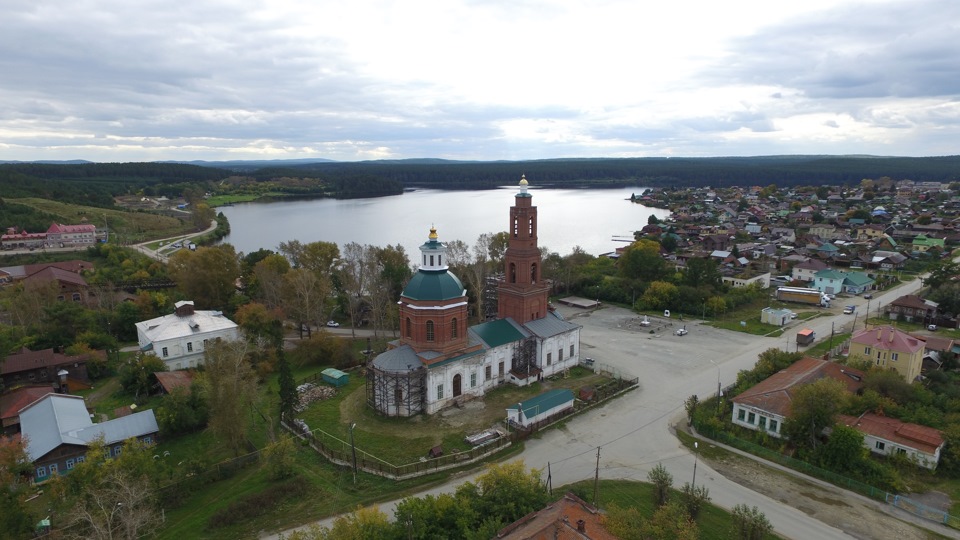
(539, 408)
(179, 339)
(888, 436)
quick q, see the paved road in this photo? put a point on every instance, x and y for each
(161, 254)
(633, 432)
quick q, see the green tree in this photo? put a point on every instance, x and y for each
(17, 518)
(364, 523)
(440, 516)
(231, 389)
(653, 220)
(288, 387)
(208, 276)
(280, 458)
(671, 521)
(702, 272)
(660, 295)
(694, 498)
(642, 260)
(505, 492)
(662, 482)
(690, 405)
(750, 523)
(183, 410)
(814, 407)
(844, 451)
(136, 376)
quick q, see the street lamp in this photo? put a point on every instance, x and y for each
(696, 453)
(353, 448)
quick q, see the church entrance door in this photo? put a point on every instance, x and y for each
(456, 385)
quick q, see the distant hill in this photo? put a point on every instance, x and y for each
(253, 164)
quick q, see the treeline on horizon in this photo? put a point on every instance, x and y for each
(95, 184)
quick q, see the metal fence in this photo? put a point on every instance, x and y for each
(904, 503)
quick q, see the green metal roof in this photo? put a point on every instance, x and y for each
(858, 279)
(335, 373)
(829, 273)
(544, 402)
(433, 285)
(498, 332)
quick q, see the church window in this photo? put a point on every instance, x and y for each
(439, 391)
(439, 260)
(431, 260)
(409, 328)
(531, 227)
(533, 273)
(429, 330)
(571, 351)
(424, 259)
(501, 369)
(560, 355)
(189, 346)
(488, 373)
(513, 272)
(549, 358)
(453, 328)
(516, 227)
(473, 380)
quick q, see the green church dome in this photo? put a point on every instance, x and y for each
(433, 285)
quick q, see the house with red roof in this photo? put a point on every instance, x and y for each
(888, 347)
(569, 518)
(41, 367)
(11, 402)
(765, 406)
(71, 235)
(889, 436)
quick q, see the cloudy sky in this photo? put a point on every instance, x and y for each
(121, 80)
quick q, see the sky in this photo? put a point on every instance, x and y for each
(148, 80)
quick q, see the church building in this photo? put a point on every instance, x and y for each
(440, 361)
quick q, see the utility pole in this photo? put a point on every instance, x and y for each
(353, 448)
(549, 481)
(596, 481)
(696, 454)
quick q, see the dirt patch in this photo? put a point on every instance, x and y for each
(934, 499)
(829, 505)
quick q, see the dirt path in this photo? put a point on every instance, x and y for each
(858, 517)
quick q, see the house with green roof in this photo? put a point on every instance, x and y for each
(922, 243)
(856, 283)
(828, 281)
(540, 408)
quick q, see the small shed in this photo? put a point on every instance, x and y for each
(776, 317)
(335, 377)
(540, 407)
(805, 336)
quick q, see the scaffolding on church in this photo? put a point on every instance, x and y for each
(397, 393)
(524, 360)
(491, 297)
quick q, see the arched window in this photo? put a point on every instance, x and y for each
(513, 272)
(532, 228)
(453, 328)
(516, 227)
(409, 328)
(533, 273)
(429, 330)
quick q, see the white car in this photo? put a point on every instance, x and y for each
(681, 332)
(333, 324)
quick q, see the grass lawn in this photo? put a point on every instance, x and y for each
(220, 200)
(400, 441)
(714, 522)
(824, 345)
(749, 314)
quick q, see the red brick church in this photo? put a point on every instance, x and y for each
(439, 361)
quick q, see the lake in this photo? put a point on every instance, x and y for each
(590, 218)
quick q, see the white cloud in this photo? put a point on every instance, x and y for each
(211, 79)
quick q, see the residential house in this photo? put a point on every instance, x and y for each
(807, 270)
(856, 282)
(889, 436)
(569, 518)
(910, 308)
(15, 239)
(71, 235)
(828, 281)
(26, 367)
(922, 243)
(888, 347)
(716, 242)
(887, 260)
(180, 339)
(765, 406)
(745, 279)
(58, 431)
(11, 402)
(69, 285)
(824, 231)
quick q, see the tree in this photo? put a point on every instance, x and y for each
(702, 272)
(268, 279)
(288, 388)
(183, 410)
(642, 260)
(279, 457)
(750, 523)
(653, 220)
(112, 497)
(440, 516)
(505, 493)
(305, 294)
(691, 405)
(671, 521)
(660, 295)
(231, 389)
(814, 407)
(202, 215)
(693, 498)
(208, 276)
(16, 519)
(662, 482)
(136, 376)
(844, 450)
(357, 268)
(364, 523)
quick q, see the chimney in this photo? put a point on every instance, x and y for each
(891, 336)
(183, 309)
(879, 334)
(581, 526)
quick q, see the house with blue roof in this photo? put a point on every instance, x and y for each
(439, 361)
(58, 430)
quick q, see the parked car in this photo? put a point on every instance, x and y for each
(932, 327)
(681, 332)
(849, 309)
(868, 296)
(333, 324)
(793, 315)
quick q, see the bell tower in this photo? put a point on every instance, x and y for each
(523, 295)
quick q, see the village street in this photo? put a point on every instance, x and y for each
(633, 432)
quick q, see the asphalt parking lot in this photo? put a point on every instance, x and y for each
(613, 336)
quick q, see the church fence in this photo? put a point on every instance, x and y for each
(340, 452)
